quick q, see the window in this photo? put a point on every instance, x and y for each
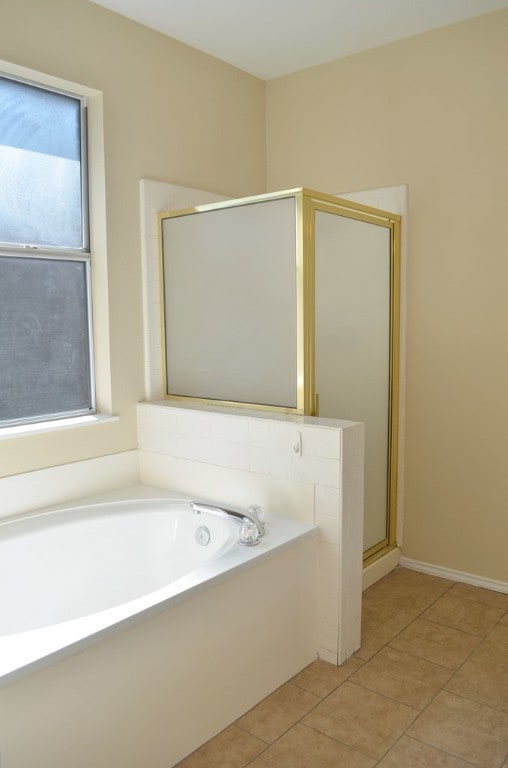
(46, 369)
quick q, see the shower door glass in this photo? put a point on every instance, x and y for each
(354, 303)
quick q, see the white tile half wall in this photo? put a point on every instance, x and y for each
(240, 457)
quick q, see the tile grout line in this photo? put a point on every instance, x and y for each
(363, 662)
(419, 712)
(444, 751)
(443, 688)
(386, 645)
(299, 721)
(418, 616)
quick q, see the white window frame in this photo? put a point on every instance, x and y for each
(95, 254)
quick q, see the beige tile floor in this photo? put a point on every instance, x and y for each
(427, 689)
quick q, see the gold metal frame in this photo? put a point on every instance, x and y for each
(307, 202)
(390, 542)
(319, 202)
(301, 312)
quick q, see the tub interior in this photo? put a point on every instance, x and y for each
(78, 561)
(79, 573)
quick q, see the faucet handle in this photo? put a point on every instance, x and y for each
(249, 534)
(257, 512)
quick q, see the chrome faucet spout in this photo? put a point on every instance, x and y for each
(241, 517)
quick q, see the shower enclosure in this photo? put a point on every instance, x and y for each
(290, 302)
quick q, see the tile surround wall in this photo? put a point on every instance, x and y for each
(67, 482)
(243, 457)
(239, 457)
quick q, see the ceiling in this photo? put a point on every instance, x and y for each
(270, 38)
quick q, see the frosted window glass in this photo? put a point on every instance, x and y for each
(40, 167)
(44, 352)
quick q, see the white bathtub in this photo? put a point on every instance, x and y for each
(71, 563)
(116, 603)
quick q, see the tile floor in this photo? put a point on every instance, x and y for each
(427, 689)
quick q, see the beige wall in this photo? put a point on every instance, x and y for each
(430, 111)
(170, 113)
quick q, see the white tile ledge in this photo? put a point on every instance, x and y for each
(41, 427)
(251, 413)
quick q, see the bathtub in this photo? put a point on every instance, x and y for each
(117, 623)
(112, 555)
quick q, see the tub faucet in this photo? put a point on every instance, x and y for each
(252, 530)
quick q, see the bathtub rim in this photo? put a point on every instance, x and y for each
(48, 645)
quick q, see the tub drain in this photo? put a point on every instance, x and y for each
(202, 535)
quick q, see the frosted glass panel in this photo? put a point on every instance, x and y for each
(44, 346)
(353, 344)
(40, 167)
(230, 303)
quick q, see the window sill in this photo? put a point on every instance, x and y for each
(41, 427)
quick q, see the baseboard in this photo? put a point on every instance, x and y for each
(449, 573)
(380, 568)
